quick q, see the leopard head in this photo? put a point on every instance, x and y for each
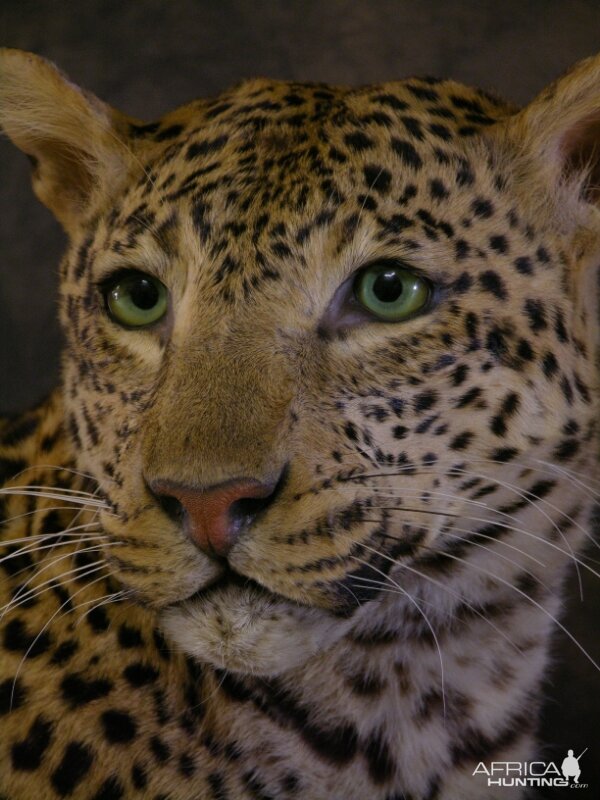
(315, 337)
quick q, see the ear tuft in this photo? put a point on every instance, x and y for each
(73, 140)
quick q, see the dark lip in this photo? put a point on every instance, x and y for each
(228, 578)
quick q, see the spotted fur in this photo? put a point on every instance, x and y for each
(383, 625)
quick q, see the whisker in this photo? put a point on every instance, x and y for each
(420, 610)
(47, 586)
(450, 591)
(105, 600)
(44, 467)
(46, 566)
(43, 536)
(66, 498)
(41, 510)
(32, 645)
(526, 596)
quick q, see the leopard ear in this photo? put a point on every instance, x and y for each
(552, 150)
(75, 142)
(555, 142)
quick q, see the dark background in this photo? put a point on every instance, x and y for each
(150, 55)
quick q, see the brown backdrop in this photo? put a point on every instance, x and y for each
(149, 55)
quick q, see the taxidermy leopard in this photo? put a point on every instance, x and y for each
(296, 521)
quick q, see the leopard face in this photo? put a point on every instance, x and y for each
(384, 445)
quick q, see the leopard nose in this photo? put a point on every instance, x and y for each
(215, 517)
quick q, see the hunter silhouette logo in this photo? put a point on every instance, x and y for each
(570, 766)
(534, 773)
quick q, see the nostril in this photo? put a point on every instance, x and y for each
(243, 512)
(172, 507)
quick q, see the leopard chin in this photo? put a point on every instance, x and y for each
(247, 629)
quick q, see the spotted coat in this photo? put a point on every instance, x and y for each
(382, 626)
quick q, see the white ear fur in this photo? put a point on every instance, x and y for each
(555, 142)
(75, 142)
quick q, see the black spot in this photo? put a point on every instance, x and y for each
(482, 208)
(523, 265)
(525, 350)
(119, 726)
(140, 674)
(17, 639)
(186, 765)
(549, 365)
(461, 441)
(461, 249)
(351, 432)
(143, 130)
(111, 789)
(499, 244)
(471, 325)
(566, 449)
(130, 636)
(542, 488)
(441, 131)
(559, 327)
(468, 397)
(407, 153)
(496, 343)
(138, 776)
(542, 255)
(12, 695)
(379, 759)
(160, 749)
(459, 375)
(493, 283)
(64, 651)
(206, 147)
(377, 178)
(438, 190)
(391, 101)
(77, 691)
(464, 175)
(413, 126)
(97, 619)
(504, 454)
(27, 754)
(536, 315)
(423, 93)
(168, 133)
(74, 766)
(358, 141)
(425, 400)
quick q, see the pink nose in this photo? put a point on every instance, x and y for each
(215, 517)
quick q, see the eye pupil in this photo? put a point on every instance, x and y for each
(391, 291)
(388, 286)
(144, 294)
(134, 299)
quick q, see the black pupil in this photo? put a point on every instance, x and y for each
(143, 293)
(388, 286)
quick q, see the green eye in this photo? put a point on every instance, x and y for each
(391, 292)
(135, 299)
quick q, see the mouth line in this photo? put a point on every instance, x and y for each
(228, 578)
